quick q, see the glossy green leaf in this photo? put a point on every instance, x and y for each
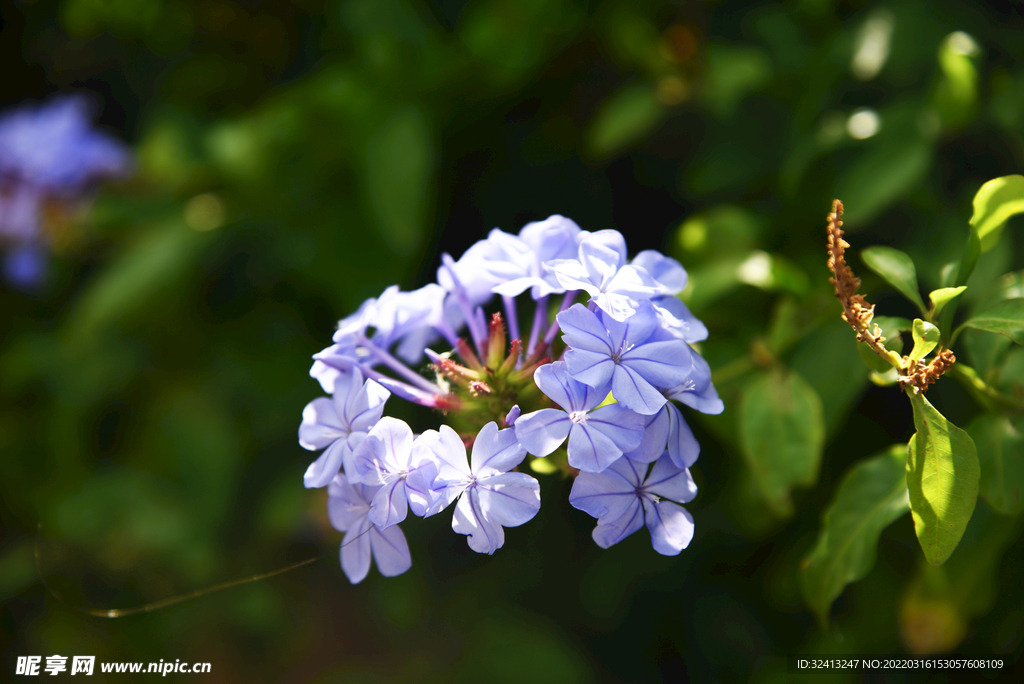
(926, 338)
(897, 269)
(1001, 455)
(782, 431)
(872, 495)
(944, 295)
(942, 476)
(1005, 318)
(994, 203)
(625, 118)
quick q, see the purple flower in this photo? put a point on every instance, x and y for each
(547, 240)
(597, 436)
(47, 153)
(667, 429)
(668, 273)
(633, 355)
(600, 270)
(386, 458)
(490, 497)
(676, 318)
(698, 392)
(53, 147)
(348, 508)
(622, 500)
(340, 424)
(488, 263)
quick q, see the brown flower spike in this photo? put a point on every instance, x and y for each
(859, 313)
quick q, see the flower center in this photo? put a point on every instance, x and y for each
(578, 417)
(626, 346)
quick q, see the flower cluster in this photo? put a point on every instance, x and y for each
(598, 404)
(48, 157)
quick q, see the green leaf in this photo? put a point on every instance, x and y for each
(926, 338)
(942, 476)
(781, 430)
(995, 202)
(1005, 318)
(970, 258)
(626, 117)
(897, 269)
(943, 296)
(1001, 455)
(872, 495)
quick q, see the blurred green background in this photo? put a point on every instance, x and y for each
(298, 156)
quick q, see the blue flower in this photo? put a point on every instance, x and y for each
(386, 458)
(600, 270)
(597, 436)
(348, 509)
(490, 497)
(53, 147)
(48, 153)
(623, 500)
(634, 355)
(340, 424)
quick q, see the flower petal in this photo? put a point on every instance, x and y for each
(683, 447)
(509, 499)
(390, 551)
(671, 526)
(591, 450)
(485, 536)
(634, 392)
(605, 495)
(321, 471)
(656, 433)
(590, 368)
(390, 504)
(345, 504)
(355, 552)
(624, 427)
(320, 425)
(670, 482)
(496, 451)
(363, 408)
(613, 531)
(582, 329)
(541, 432)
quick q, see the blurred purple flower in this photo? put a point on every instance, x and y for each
(48, 152)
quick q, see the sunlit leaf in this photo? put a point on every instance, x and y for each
(625, 118)
(897, 269)
(926, 338)
(1005, 318)
(939, 298)
(871, 496)
(994, 203)
(1001, 455)
(781, 431)
(942, 476)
